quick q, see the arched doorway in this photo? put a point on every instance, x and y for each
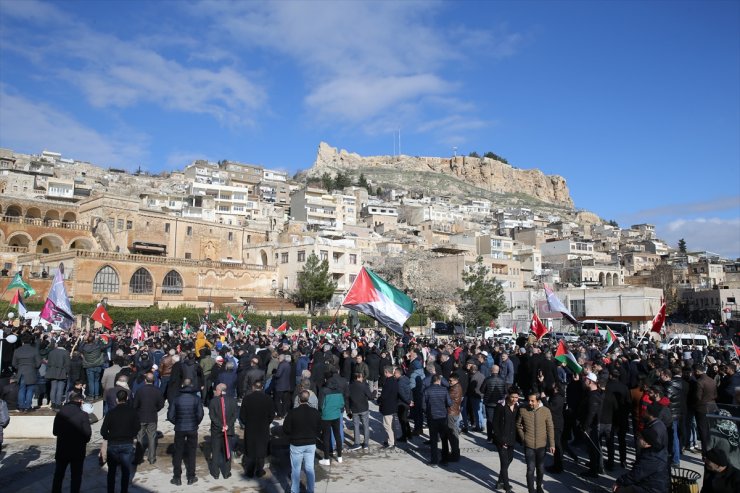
(51, 215)
(19, 240)
(263, 258)
(14, 211)
(69, 217)
(602, 279)
(33, 213)
(81, 244)
(49, 244)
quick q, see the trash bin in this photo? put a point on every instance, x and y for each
(684, 480)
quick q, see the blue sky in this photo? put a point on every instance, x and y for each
(636, 104)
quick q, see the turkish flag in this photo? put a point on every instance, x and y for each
(659, 319)
(101, 315)
(538, 327)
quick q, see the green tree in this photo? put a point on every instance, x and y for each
(614, 223)
(473, 154)
(682, 245)
(482, 300)
(378, 192)
(315, 285)
(327, 181)
(362, 181)
(493, 155)
(342, 180)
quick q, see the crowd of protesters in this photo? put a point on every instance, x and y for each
(315, 383)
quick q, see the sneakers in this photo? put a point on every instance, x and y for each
(355, 448)
(339, 459)
(176, 481)
(192, 480)
(325, 462)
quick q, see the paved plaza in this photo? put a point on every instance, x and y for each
(27, 466)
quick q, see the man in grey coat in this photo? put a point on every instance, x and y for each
(26, 360)
(57, 371)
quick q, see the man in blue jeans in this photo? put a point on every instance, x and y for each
(302, 425)
(120, 427)
(27, 360)
(93, 356)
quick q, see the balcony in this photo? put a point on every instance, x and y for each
(46, 223)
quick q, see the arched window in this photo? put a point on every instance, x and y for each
(141, 282)
(106, 281)
(172, 283)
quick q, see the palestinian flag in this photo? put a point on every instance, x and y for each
(565, 356)
(737, 350)
(229, 317)
(240, 318)
(610, 339)
(283, 327)
(20, 306)
(376, 298)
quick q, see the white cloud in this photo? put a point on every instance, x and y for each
(713, 234)
(33, 126)
(113, 72)
(704, 206)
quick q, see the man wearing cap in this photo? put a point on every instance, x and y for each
(148, 401)
(650, 473)
(721, 477)
(590, 413)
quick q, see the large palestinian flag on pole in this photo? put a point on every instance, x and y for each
(376, 298)
(565, 356)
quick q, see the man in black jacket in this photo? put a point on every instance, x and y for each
(673, 385)
(494, 391)
(620, 422)
(256, 414)
(590, 413)
(147, 403)
(504, 436)
(388, 405)
(302, 425)
(120, 427)
(359, 408)
(186, 413)
(223, 413)
(72, 429)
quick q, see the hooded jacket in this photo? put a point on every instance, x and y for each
(186, 411)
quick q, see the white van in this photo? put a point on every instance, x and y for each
(682, 340)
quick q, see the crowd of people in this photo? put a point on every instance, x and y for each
(313, 384)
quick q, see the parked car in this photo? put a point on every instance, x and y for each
(567, 336)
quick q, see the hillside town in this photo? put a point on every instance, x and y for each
(235, 233)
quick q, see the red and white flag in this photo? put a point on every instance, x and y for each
(101, 316)
(283, 327)
(538, 328)
(659, 319)
(138, 332)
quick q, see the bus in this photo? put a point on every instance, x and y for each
(623, 330)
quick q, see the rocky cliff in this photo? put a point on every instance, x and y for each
(485, 173)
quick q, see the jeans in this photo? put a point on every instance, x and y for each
(57, 391)
(150, 430)
(341, 433)
(438, 429)
(364, 419)
(535, 460)
(93, 381)
(302, 455)
(60, 469)
(120, 455)
(676, 458)
(186, 443)
(478, 411)
(489, 421)
(331, 427)
(505, 456)
(25, 394)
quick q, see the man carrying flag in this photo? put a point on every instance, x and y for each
(538, 328)
(378, 299)
(101, 316)
(19, 283)
(20, 307)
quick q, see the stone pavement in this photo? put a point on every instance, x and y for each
(27, 466)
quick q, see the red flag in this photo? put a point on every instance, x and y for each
(513, 329)
(596, 329)
(737, 349)
(283, 326)
(538, 327)
(101, 316)
(492, 324)
(229, 317)
(659, 319)
(16, 297)
(154, 328)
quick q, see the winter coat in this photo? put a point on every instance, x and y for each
(504, 425)
(706, 394)
(72, 429)
(148, 401)
(216, 414)
(26, 360)
(57, 365)
(404, 391)
(281, 381)
(186, 410)
(93, 354)
(388, 400)
(557, 410)
(373, 366)
(494, 390)
(256, 414)
(649, 474)
(535, 427)
(200, 343)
